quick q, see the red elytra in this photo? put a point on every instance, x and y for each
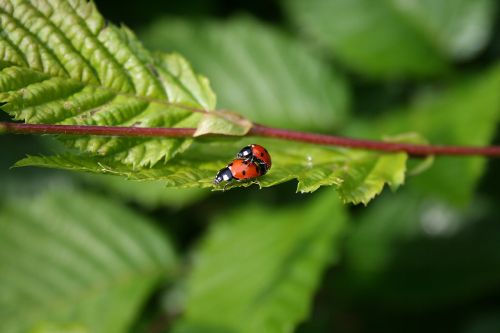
(238, 169)
(244, 169)
(257, 153)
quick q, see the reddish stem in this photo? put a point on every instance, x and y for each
(256, 130)
(412, 149)
(19, 128)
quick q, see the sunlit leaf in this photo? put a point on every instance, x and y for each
(223, 122)
(81, 70)
(357, 175)
(258, 272)
(77, 261)
(118, 82)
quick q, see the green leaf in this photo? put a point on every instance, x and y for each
(457, 28)
(93, 73)
(396, 37)
(358, 175)
(466, 113)
(415, 166)
(79, 69)
(223, 122)
(75, 260)
(258, 71)
(258, 272)
(366, 176)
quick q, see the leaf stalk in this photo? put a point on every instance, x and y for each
(256, 130)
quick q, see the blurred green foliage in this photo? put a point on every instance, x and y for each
(285, 84)
(74, 249)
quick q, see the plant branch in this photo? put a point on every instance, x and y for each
(256, 130)
(411, 149)
(19, 128)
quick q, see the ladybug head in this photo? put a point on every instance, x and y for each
(245, 152)
(223, 175)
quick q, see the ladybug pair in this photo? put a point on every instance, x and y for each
(251, 162)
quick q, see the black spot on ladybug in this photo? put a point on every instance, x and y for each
(261, 154)
(244, 172)
(245, 162)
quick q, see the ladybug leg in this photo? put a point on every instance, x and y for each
(262, 168)
(242, 181)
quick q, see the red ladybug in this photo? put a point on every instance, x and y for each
(256, 153)
(239, 169)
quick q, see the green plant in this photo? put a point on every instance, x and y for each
(65, 70)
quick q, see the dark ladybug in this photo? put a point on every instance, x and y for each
(238, 169)
(256, 153)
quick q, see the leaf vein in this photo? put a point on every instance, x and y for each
(35, 38)
(68, 43)
(110, 57)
